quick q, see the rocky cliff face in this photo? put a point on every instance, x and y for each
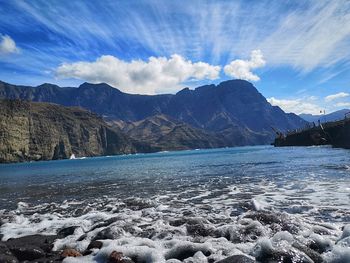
(42, 131)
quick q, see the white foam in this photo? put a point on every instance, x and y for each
(338, 254)
(346, 232)
(151, 229)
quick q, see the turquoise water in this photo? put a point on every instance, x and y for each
(309, 184)
(146, 175)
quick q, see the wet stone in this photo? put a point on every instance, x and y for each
(198, 230)
(237, 259)
(8, 259)
(184, 252)
(108, 233)
(4, 250)
(64, 232)
(316, 257)
(95, 244)
(321, 230)
(118, 257)
(265, 217)
(138, 203)
(282, 257)
(27, 252)
(105, 223)
(82, 237)
(320, 248)
(43, 242)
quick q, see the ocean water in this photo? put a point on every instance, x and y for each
(213, 203)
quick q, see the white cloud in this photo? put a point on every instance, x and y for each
(343, 104)
(242, 69)
(7, 45)
(297, 106)
(336, 96)
(157, 75)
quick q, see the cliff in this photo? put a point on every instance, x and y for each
(43, 131)
(335, 133)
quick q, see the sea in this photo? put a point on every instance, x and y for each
(187, 206)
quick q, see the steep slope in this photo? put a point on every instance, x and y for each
(43, 131)
(334, 116)
(233, 107)
(168, 133)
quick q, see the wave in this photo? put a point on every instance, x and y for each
(151, 230)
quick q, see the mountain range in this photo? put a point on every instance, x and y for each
(334, 116)
(228, 114)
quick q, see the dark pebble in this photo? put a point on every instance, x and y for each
(184, 252)
(64, 232)
(315, 256)
(40, 241)
(237, 259)
(95, 244)
(105, 223)
(8, 259)
(108, 233)
(27, 252)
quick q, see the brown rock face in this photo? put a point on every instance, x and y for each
(43, 131)
(70, 252)
(115, 257)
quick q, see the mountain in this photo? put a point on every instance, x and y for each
(166, 133)
(337, 115)
(43, 131)
(234, 109)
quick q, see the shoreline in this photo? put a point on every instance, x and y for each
(128, 154)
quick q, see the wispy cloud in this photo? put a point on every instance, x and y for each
(7, 45)
(298, 36)
(336, 96)
(302, 37)
(157, 75)
(220, 31)
(242, 69)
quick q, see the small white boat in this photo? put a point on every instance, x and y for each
(72, 156)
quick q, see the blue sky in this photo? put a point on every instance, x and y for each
(295, 52)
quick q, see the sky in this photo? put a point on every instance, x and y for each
(296, 53)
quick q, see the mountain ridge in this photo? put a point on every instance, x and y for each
(333, 116)
(233, 106)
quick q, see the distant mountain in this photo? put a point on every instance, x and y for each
(337, 115)
(234, 109)
(42, 131)
(166, 133)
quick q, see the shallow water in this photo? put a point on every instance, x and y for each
(210, 200)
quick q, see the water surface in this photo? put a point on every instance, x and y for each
(219, 187)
